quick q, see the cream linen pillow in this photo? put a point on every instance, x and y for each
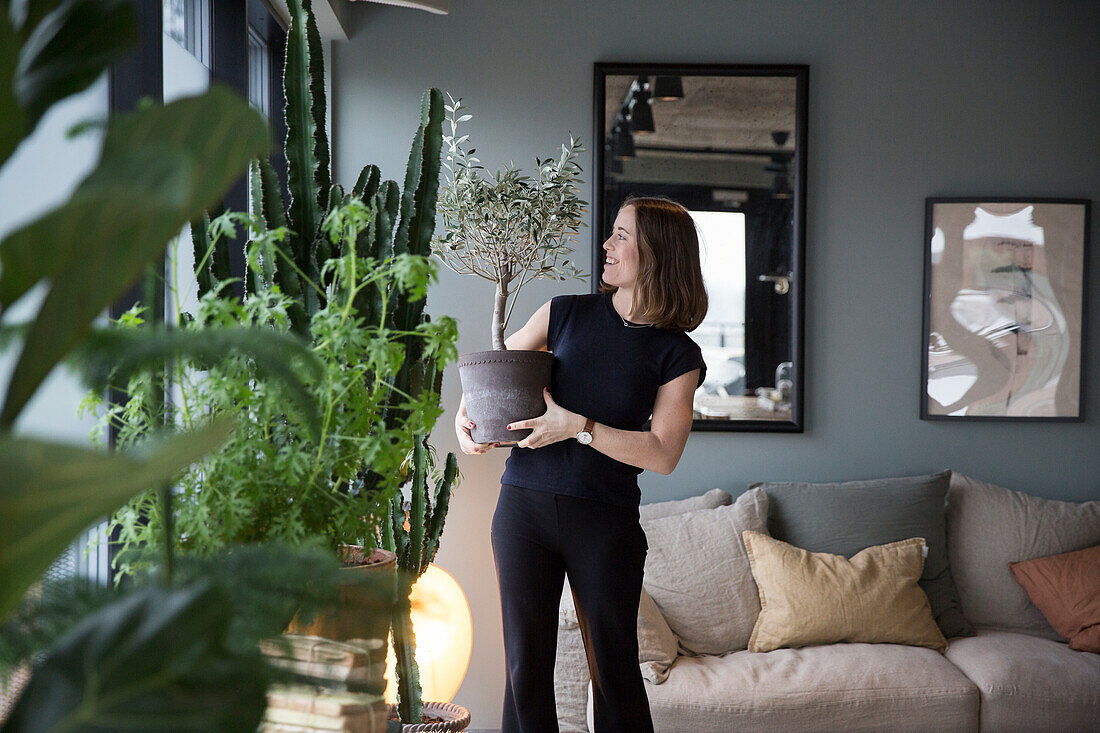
(819, 598)
(698, 573)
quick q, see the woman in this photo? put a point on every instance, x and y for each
(569, 494)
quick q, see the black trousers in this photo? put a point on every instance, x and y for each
(538, 537)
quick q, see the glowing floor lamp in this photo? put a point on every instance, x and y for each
(444, 637)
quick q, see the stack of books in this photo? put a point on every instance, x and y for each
(339, 685)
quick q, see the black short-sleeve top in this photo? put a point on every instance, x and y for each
(609, 372)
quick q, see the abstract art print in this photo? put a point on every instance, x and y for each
(1004, 308)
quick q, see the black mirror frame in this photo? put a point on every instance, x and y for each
(801, 72)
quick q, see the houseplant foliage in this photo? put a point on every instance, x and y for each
(276, 478)
(348, 270)
(508, 229)
(170, 644)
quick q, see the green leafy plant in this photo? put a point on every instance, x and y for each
(275, 477)
(297, 263)
(509, 229)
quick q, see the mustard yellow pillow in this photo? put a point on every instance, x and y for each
(819, 598)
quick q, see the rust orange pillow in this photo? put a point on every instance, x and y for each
(1066, 588)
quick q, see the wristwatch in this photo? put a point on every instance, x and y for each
(584, 437)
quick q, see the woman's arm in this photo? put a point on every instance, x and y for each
(532, 337)
(658, 450)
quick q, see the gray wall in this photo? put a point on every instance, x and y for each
(907, 100)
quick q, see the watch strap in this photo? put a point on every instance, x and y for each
(588, 425)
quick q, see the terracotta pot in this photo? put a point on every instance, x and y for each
(502, 387)
(366, 598)
(455, 718)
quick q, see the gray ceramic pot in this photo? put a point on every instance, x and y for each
(502, 387)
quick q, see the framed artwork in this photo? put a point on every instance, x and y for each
(1004, 309)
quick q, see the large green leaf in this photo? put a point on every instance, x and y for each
(27, 14)
(11, 114)
(62, 50)
(160, 168)
(155, 660)
(51, 492)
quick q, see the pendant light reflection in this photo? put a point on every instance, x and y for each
(444, 637)
(667, 88)
(641, 114)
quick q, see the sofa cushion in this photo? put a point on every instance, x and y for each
(844, 517)
(698, 573)
(1028, 683)
(836, 687)
(818, 598)
(1066, 589)
(988, 527)
(708, 500)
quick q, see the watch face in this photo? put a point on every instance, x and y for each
(584, 438)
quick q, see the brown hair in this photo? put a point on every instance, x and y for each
(670, 291)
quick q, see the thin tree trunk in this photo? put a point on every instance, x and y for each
(498, 316)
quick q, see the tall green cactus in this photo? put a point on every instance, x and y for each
(402, 222)
(415, 549)
(405, 216)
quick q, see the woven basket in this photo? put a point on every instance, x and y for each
(456, 718)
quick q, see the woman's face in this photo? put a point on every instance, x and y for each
(620, 266)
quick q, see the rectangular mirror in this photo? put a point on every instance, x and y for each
(728, 142)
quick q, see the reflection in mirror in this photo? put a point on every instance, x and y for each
(728, 143)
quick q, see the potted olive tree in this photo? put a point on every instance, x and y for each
(509, 229)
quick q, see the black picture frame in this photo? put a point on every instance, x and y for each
(800, 72)
(952, 210)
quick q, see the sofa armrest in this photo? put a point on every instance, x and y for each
(571, 674)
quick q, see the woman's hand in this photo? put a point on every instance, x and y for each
(554, 425)
(463, 423)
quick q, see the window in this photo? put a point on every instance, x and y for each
(187, 22)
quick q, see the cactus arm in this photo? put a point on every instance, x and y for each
(323, 175)
(219, 259)
(334, 196)
(256, 194)
(388, 201)
(304, 215)
(257, 280)
(409, 691)
(418, 510)
(418, 199)
(271, 196)
(367, 184)
(443, 488)
(200, 243)
(388, 534)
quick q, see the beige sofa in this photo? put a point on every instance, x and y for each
(1015, 674)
